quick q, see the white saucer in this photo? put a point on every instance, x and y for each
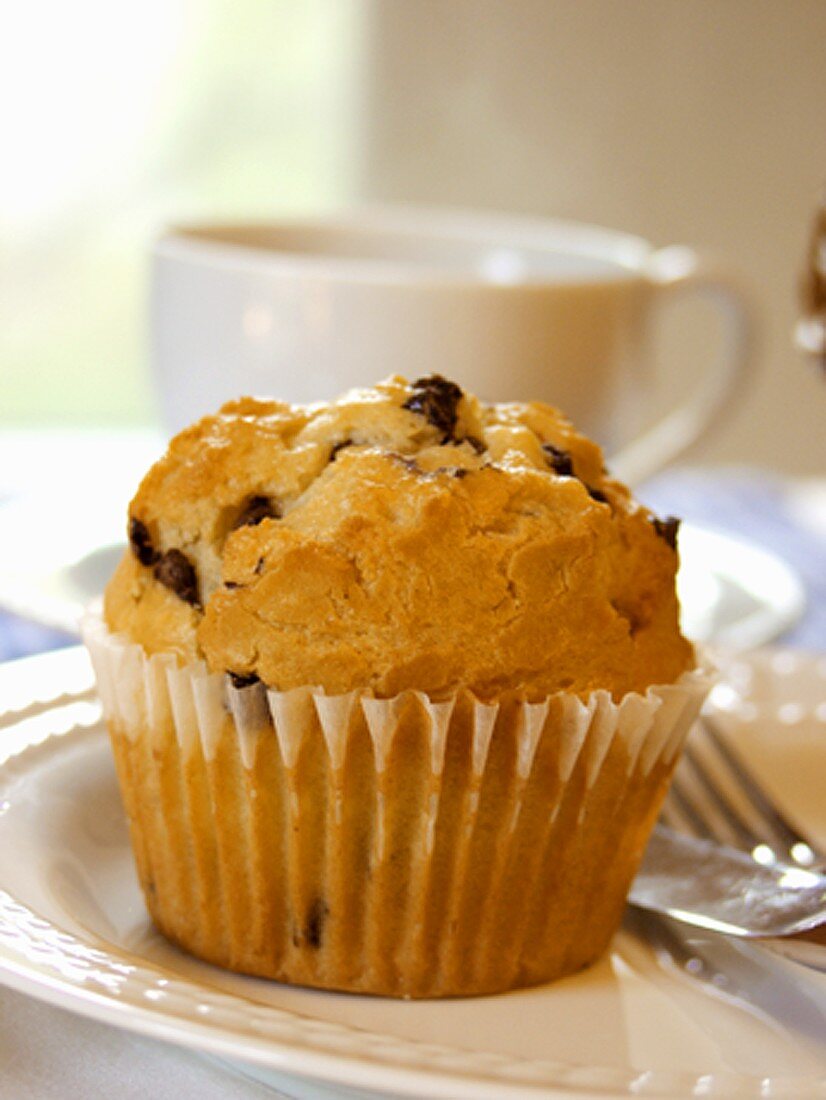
(732, 592)
(73, 932)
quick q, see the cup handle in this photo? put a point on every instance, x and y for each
(680, 269)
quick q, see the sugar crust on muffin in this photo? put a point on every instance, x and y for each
(404, 536)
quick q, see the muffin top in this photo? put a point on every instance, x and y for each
(404, 536)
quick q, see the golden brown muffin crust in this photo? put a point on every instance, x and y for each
(406, 536)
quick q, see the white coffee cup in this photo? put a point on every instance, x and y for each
(510, 308)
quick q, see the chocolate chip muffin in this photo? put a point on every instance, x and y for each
(395, 686)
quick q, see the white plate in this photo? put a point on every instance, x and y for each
(73, 931)
(732, 592)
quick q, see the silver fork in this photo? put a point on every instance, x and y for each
(715, 796)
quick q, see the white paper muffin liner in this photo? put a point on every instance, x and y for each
(403, 846)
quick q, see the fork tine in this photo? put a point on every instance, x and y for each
(687, 807)
(714, 788)
(735, 823)
(796, 847)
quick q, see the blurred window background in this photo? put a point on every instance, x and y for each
(699, 122)
(118, 120)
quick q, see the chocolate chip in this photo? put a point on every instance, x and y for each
(342, 443)
(436, 399)
(631, 616)
(176, 571)
(141, 543)
(562, 464)
(455, 471)
(254, 510)
(316, 919)
(232, 585)
(240, 681)
(458, 472)
(667, 529)
(404, 460)
(560, 461)
(259, 567)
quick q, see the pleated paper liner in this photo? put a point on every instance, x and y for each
(394, 846)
